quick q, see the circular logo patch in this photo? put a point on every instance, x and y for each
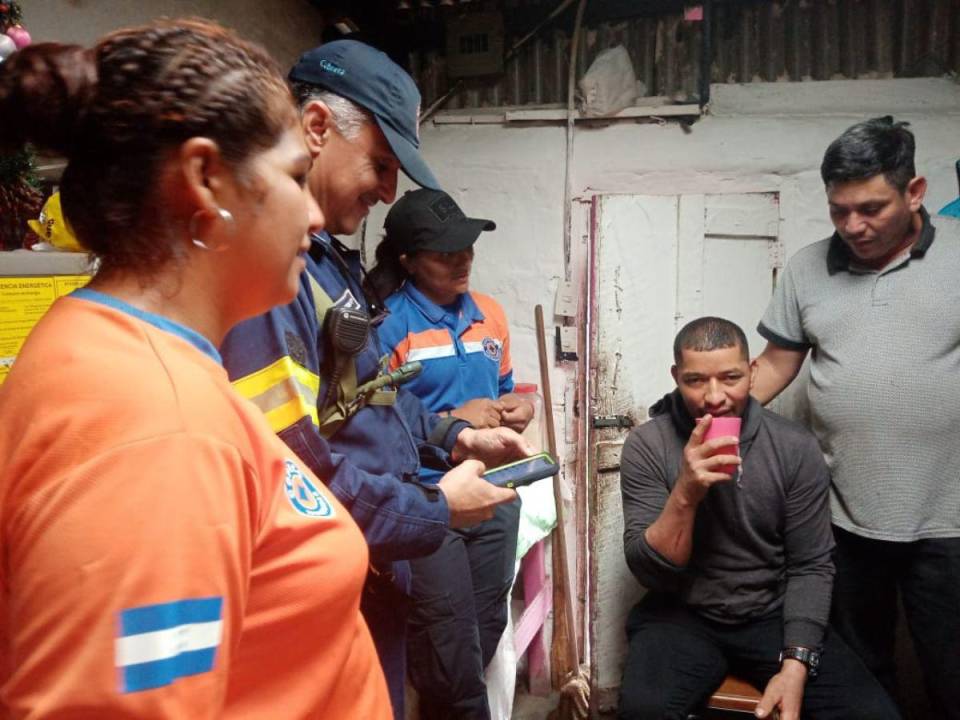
(303, 494)
(492, 349)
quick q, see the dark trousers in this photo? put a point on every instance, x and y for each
(927, 575)
(458, 612)
(676, 659)
(385, 608)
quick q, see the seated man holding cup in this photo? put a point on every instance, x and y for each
(727, 524)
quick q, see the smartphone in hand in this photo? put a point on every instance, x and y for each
(523, 472)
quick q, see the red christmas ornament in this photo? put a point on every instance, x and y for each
(19, 35)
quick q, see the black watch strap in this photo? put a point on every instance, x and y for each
(808, 656)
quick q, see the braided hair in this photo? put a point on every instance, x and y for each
(118, 110)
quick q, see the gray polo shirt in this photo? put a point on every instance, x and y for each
(884, 379)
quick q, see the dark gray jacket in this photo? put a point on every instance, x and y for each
(760, 545)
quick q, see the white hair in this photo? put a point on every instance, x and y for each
(348, 117)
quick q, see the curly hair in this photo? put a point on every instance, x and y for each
(117, 110)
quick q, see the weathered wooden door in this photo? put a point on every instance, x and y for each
(658, 262)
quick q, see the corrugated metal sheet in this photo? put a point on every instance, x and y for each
(753, 41)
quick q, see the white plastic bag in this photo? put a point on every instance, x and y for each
(501, 673)
(610, 84)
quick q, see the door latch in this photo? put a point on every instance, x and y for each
(612, 421)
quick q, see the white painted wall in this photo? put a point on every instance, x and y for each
(758, 138)
(513, 176)
(285, 27)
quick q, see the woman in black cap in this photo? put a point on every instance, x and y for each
(462, 340)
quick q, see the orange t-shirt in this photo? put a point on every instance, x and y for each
(164, 554)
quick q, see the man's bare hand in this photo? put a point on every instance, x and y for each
(517, 411)
(784, 692)
(700, 468)
(480, 412)
(493, 446)
(471, 499)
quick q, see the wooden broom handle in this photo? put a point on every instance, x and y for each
(561, 579)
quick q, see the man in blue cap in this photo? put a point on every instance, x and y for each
(315, 366)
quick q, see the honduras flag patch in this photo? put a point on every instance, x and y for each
(157, 644)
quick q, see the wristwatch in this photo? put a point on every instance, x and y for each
(810, 658)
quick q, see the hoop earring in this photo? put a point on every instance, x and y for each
(226, 216)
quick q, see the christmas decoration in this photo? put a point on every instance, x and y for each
(20, 197)
(13, 35)
(10, 15)
(20, 37)
(7, 47)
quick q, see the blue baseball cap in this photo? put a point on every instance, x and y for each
(376, 83)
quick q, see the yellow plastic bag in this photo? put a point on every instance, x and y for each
(53, 227)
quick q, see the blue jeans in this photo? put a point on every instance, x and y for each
(676, 659)
(926, 573)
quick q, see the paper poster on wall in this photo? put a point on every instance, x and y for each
(23, 301)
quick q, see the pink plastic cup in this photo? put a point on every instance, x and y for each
(726, 426)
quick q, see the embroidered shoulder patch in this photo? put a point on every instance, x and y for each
(348, 301)
(303, 494)
(295, 348)
(492, 349)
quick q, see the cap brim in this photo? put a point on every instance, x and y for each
(460, 237)
(409, 156)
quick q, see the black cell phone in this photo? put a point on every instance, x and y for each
(523, 472)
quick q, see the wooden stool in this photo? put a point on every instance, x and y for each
(734, 695)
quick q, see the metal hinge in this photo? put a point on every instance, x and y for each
(558, 348)
(612, 421)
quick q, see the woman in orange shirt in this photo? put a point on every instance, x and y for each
(163, 553)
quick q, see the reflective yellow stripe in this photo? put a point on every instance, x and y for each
(262, 380)
(285, 391)
(290, 412)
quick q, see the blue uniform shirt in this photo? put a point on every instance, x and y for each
(464, 348)
(372, 461)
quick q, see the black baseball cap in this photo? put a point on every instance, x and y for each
(376, 83)
(431, 220)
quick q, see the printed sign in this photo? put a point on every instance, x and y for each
(23, 301)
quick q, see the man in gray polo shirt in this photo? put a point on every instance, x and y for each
(877, 303)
